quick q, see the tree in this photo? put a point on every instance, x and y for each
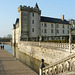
(9, 36)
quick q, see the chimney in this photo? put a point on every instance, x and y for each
(62, 17)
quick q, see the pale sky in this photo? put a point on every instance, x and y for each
(49, 8)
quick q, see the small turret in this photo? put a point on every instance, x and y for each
(36, 6)
(14, 26)
(29, 24)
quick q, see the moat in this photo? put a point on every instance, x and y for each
(31, 62)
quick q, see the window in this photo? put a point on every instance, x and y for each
(51, 30)
(68, 26)
(33, 14)
(51, 25)
(32, 29)
(63, 31)
(45, 25)
(32, 21)
(63, 26)
(42, 24)
(45, 31)
(57, 26)
(68, 31)
(57, 31)
(39, 28)
(42, 31)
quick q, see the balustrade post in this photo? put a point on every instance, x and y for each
(40, 71)
(70, 64)
(53, 71)
(63, 66)
(58, 68)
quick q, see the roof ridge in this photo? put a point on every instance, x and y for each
(53, 20)
(51, 17)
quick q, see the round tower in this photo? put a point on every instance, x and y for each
(29, 22)
(34, 27)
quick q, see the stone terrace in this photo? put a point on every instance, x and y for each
(9, 65)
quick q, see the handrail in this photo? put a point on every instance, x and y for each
(66, 64)
(60, 61)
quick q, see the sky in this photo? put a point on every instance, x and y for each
(49, 8)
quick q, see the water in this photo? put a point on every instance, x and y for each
(8, 48)
(31, 62)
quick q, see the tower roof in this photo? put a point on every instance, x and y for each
(30, 9)
(17, 21)
(36, 6)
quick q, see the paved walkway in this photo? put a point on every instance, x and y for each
(9, 65)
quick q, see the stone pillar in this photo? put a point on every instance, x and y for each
(40, 39)
(70, 41)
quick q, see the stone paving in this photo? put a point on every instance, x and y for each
(9, 65)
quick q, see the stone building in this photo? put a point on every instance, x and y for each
(31, 25)
(27, 27)
(54, 28)
(72, 22)
(29, 22)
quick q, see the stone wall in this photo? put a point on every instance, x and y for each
(50, 55)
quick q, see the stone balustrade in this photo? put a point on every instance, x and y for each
(49, 45)
(63, 45)
(64, 65)
(72, 46)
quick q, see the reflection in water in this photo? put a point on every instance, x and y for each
(34, 64)
(8, 48)
(31, 62)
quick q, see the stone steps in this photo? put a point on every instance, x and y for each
(68, 73)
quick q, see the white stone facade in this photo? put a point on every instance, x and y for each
(53, 29)
(34, 28)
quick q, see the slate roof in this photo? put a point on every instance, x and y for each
(17, 21)
(36, 6)
(14, 25)
(53, 20)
